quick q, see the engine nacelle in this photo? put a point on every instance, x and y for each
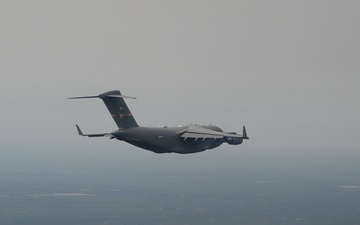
(234, 140)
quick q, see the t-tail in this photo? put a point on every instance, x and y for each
(117, 107)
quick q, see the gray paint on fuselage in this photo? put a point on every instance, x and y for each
(182, 139)
(166, 139)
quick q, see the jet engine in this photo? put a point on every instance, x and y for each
(234, 140)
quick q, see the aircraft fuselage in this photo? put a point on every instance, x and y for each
(166, 139)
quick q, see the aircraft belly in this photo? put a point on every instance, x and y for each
(192, 146)
(159, 140)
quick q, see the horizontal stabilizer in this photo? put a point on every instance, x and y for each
(119, 96)
(84, 97)
(105, 95)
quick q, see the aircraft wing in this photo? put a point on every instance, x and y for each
(203, 133)
(109, 135)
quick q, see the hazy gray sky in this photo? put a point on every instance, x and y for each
(288, 70)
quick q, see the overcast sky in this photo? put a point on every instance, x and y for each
(288, 70)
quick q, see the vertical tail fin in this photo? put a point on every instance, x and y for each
(117, 107)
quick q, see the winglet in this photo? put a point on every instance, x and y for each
(79, 131)
(244, 133)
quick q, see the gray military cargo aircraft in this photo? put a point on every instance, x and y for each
(183, 139)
